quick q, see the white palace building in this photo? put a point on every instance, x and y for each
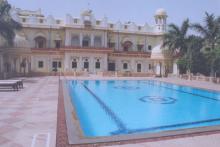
(85, 44)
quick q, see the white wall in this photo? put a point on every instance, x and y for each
(80, 57)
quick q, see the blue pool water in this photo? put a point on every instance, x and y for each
(107, 108)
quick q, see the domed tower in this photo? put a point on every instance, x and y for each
(87, 18)
(161, 20)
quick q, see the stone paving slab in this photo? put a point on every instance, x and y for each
(28, 113)
(198, 141)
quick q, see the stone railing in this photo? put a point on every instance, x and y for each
(200, 78)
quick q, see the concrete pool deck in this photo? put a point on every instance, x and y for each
(28, 118)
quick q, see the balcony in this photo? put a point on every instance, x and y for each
(75, 49)
(132, 54)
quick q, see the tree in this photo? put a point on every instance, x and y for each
(194, 45)
(210, 33)
(8, 26)
(176, 39)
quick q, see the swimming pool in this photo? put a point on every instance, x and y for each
(117, 107)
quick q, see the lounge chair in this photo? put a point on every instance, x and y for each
(7, 84)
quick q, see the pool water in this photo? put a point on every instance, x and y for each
(106, 108)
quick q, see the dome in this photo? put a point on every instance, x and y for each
(21, 41)
(157, 53)
(161, 12)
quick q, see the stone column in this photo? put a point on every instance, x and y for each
(66, 63)
(80, 63)
(32, 64)
(105, 63)
(92, 40)
(105, 40)
(49, 64)
(175, 69)
(80, 39)
(68, 38)
(134, 41)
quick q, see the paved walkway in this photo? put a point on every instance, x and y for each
(193, 83)
(28, 118)
(198, 141)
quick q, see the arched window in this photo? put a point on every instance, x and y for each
(86, 64)
(40, 42)
(127, 45)
(98, 41)
(125, 66)
(86, 41)
(75, 41)
(74, 63)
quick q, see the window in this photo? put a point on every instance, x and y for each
(86, 41)
(126, 27)
(57, 43)
(59, 64)
(41, 20)
(111, 25)
(54, 65)
(149, 47)
(75, 20)
(149, 67)
(111, 44)
(40, 64)
(98, 41)
(125, 66)
(75, 41)
(140, 47)
(58, 21)
(127, 45)
(74, 64)
(97, 64)
(86, 64)
(23, 19)
(139, 28)
(138, 67)
(40, 42)
(97, 22)
(111, 66)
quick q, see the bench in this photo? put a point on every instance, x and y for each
(7, 84)
(19, 82)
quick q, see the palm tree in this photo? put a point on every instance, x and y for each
(210, 33)
(8, 26)
(176, 38)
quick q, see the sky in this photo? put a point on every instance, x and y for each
(138, 11)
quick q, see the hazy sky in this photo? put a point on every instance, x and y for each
(139, 11)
